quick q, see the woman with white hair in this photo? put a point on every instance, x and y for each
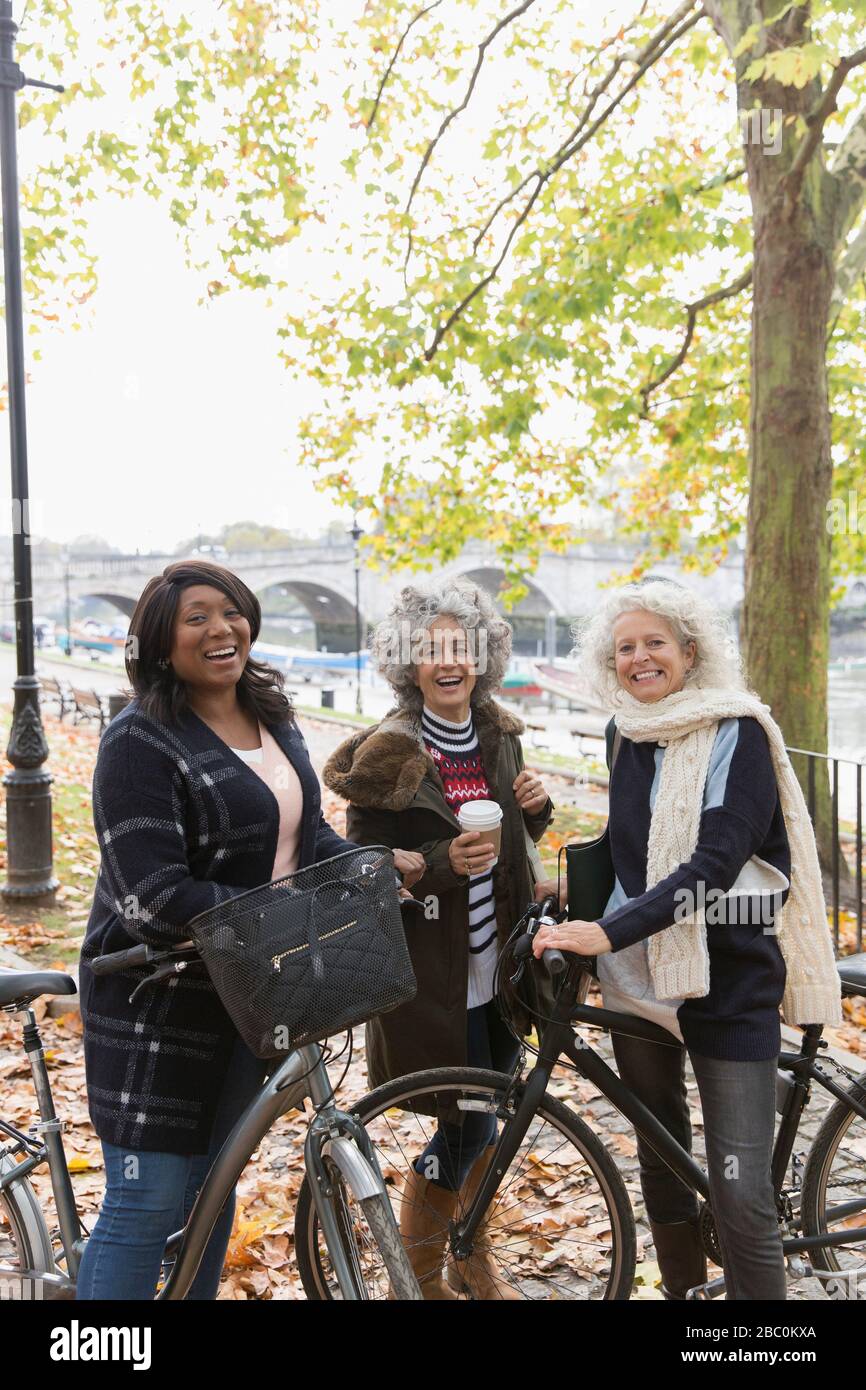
(447, 743)
(716, 918)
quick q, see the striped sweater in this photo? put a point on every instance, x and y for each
(455, 750)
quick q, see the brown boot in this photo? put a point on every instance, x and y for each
(425, 1211)
(680, 1254)
(481, 1275)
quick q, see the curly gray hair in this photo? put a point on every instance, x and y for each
(394, 642)
(690, 618)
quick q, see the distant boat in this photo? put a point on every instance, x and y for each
(94, 637)
(300, 660)
(560, 678)
(519, 685)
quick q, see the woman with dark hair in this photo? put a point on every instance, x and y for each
(203, 789)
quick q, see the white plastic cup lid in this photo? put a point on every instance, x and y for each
(480, 815)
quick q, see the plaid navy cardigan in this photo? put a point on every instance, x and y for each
(183, 824)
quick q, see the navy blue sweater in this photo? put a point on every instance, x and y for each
(742, 816)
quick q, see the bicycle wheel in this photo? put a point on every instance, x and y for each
(560, 1225)
(370, 1241)
(25, 1242)
(834, 1192)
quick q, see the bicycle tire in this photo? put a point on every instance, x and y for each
(25, 1240)
(379, 1218)
(824, 1153)
(564, 1120)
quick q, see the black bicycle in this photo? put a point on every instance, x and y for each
(552, 1213)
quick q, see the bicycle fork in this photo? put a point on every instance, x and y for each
(336, 1138)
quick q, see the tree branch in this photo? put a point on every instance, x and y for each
(692, 311)
(817, 118)
(390, 68)
(730, 20)
(658, 44)
(849, 169)
(849, 269)
(455, 112)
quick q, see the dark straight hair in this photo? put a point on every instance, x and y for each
(151, 637)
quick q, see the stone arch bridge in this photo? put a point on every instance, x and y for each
(311, 587)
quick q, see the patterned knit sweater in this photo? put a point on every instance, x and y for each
(741, 816)
(455, 750)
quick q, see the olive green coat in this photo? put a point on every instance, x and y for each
(396, 798)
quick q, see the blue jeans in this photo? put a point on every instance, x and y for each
(449, 1156)
(149, 1195)
(738, 1101)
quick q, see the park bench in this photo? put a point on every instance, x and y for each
(536, 729)
(89, 705)
(56, 692)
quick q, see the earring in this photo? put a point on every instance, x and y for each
(163, 663)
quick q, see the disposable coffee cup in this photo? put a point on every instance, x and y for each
(485, 817)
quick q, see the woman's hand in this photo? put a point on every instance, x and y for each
(469, 857)
(410, 865)
(546, 888)
(529, 792)
(581, 938)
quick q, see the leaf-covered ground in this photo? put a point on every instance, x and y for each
(261, 1262)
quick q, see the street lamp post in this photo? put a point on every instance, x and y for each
(29, 871)
(356, 533)
(68, 604)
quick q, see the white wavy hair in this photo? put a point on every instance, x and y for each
(690, 618)
(415, 610)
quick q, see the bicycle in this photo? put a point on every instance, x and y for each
(361, 1244)
(551, 1211)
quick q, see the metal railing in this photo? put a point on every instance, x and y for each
(837, 836)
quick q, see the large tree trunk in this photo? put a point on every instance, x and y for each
(785, 618)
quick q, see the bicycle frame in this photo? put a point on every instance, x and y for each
(332, 1135)
(558, 1038)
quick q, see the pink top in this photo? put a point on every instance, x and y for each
(274, 768)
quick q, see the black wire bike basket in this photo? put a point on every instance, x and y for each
(310, 954)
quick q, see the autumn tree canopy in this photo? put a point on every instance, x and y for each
(524, 254)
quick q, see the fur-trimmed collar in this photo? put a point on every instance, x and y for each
(382, 767)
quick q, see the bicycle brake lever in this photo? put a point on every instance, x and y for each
(175, 967)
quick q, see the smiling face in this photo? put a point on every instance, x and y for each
(446, 673)
(650, 663)
(211, 639)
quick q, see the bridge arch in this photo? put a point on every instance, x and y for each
(295, 608)
(530, 618)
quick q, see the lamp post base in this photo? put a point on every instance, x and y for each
(29, 871)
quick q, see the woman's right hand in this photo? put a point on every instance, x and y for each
(546, 888)
(468, 857)
(410, 865)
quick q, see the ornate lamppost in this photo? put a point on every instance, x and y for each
(29, 871)
(356, 533)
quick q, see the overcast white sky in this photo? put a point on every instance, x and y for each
(162, 417)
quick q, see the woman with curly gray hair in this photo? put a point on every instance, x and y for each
(716, 918)
(447, 744)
